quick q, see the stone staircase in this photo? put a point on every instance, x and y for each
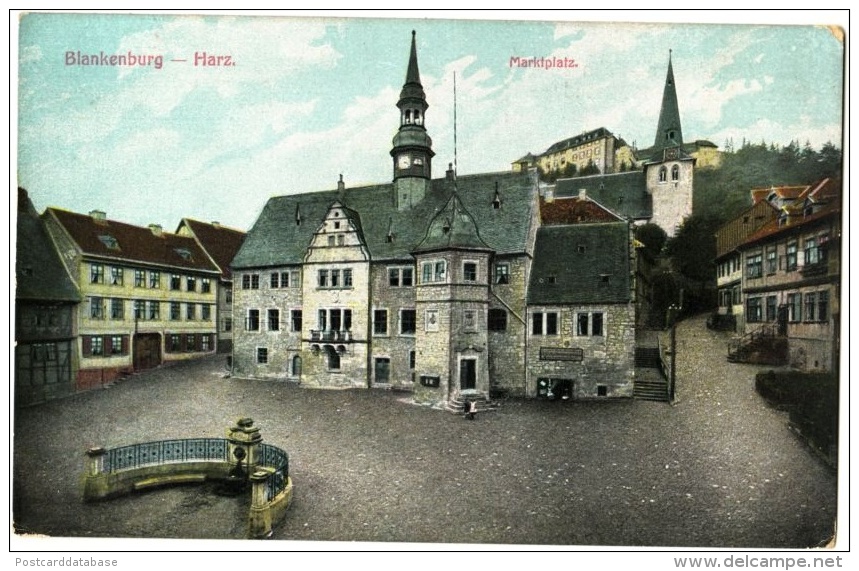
(650, 384)
(457, 405)
(762, 346)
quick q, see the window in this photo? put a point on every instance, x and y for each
(228, 295)
(810, 306)
(96, 308)
(502, 274)
(663, 174)
(296, 319)
(331, 240)
(175, 312)
(262, 355)
(190, 311)
(408, 322)
(191, 283)
(205, 285)
(335, 278)
(544, 323)
(812, 251)
(139, 278)
(341, 239)
(823, 306)
(347, 278)
(790, 264)
(274, 320)
(205, 312)
(754, 266)
(154, 310)
(117, 309)
(771, 308)
(754, 310)
(597, 325)
(96, 346)
(469, 271)
(228, 324)
(295, 278)
(175, 343)
(589, 324)
(252, 323)
(96, 274)
(412, 361)
(400, 277)
(772, 261)
(274, 280)
(434, 271)
(675, 173)
(139, 309)
(155, 280)
(322, 280)
(333, 359)
(440, 271)
(175, 282)
(250, 281)
(116, 345)
(115, 276)
(205, 342)
(794, 304)
(497, 320)
(380, 322)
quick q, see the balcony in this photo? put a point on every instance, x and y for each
(330, 336)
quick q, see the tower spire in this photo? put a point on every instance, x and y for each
(668, 131)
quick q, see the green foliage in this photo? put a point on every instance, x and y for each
(724, 192)
(589, 169)
(692, 251)
(653, 237)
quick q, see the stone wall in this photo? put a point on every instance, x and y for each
(672, 200)
(597, 365)
(395, 345)
(507, 348)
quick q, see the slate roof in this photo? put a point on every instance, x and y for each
(276, 239)
(623, 193)
(572, 142)
(453, 228)
(40, 274)
(136, 244)
(581, 264)
(220, 242)
(574, 211)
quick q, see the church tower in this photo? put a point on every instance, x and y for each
(412, 147)
(669, 170)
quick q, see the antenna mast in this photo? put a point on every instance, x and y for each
(454, 132)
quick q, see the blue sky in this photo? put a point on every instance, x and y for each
(310, 98)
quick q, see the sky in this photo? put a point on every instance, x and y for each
(309, 98)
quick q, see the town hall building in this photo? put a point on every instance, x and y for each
(451, 287)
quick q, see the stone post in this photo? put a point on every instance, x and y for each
(244, 440)
(95, 480)
(259, 519)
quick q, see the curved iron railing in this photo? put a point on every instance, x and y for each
(278, 461)
(164, 452)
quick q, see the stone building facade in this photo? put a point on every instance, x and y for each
(420, 284)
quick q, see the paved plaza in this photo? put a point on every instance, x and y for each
(719, 469)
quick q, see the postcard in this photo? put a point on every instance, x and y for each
(413, 282)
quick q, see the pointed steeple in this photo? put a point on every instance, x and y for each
(668, 131)
(412, 147)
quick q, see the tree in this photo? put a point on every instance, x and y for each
(693, 252)
(589, 169)
(653, 237)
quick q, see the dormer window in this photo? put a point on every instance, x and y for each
(109, 242)
(184, 253)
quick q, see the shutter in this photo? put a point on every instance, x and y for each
(86, 345)
(125, 340)
(107, 344)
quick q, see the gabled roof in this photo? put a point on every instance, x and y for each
(736, 231)
(795, 217)
(574, 211)
(112, 240)
(452, 228)
(623, 193)
(276, 239)
(581, 263)
(784, 193)
(39, 273)
(219, 242)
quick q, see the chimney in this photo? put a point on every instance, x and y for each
(583, 194)
(98, 214)
(448, 175)
(156, 229)
(341, 186)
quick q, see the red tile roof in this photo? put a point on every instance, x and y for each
(135, 244)
(828, 192)
(221, 243)
(574, 211)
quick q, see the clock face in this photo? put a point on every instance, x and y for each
(404, 161)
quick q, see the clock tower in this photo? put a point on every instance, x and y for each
(412, 147)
